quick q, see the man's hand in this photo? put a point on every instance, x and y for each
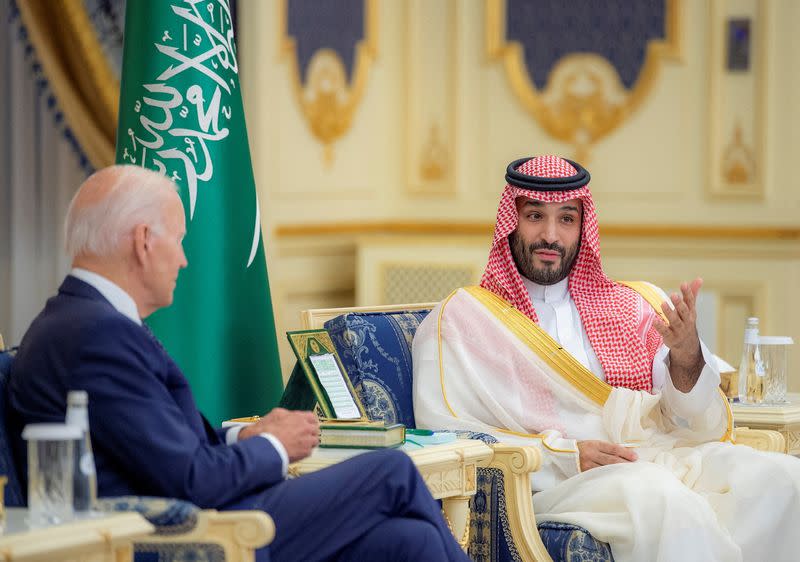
(601, 453)
(298, 432)
(680, 336)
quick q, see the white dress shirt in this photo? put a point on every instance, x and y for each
(126, 306)
(559, 317)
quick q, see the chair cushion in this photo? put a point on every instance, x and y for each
(375, 348)
(13, 492)
(169, 516)
(570, 543)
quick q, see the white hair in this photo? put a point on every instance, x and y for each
(135, 196)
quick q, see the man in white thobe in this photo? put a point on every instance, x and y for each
(611, 383)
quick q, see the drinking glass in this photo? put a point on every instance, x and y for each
(774, 353)
(50, 465)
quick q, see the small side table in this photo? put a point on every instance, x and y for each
(449, 470)
(105, 538)
(784, 418)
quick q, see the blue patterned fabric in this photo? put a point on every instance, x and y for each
(169, 516)
(178, 552)
(375, 349)
(13, 492)
(573, 544)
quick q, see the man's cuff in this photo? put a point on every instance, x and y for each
(281, 451)
(232, 435)
(694, 402)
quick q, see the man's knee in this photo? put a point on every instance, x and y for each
(404, 539)
(391, 461)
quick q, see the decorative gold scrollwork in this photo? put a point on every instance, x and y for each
(738, 162)
(434, 157)
(583, 99)
(326, 99)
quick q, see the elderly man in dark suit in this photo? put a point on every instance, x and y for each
(124, 231)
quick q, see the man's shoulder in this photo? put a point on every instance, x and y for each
(68, 323)
(78, 314)
(458, 302)
(649, 292)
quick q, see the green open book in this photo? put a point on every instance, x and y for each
(319, 382)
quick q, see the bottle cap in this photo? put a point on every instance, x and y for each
(77, 398)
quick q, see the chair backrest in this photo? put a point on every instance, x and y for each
(374, 344)
(13, 493)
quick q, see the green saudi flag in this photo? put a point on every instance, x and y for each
(181, 113)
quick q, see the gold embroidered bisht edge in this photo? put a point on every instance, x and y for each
(543, 345)
(555, 349)
(540, 436)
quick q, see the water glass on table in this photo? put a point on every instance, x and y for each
(774, 354)
(50, 472)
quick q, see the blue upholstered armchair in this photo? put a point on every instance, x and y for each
(183, 531)
(375, 347)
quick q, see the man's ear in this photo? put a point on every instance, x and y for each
(142, 239)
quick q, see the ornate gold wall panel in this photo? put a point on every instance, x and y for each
(584, 98)
(431, 44)
(737, 98)
(651, 175)
(326, 97)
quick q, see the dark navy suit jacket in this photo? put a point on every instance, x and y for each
(147, 434)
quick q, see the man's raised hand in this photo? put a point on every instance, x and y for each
(680, 336)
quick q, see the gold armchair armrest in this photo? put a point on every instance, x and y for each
(238, 533)
(516, 464)
(760, 439)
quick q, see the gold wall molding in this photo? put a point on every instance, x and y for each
(584, 99)
(431, 45)
(434, 157)
(737, 105)
(486, 228)
(326, 100)
(738, 162)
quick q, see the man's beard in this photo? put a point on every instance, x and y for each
(548, 274)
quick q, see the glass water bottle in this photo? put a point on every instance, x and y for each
(84, 474)
(751, 367)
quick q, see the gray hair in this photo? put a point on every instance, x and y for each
(127, 196)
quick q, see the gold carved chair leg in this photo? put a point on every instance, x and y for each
(456, 513)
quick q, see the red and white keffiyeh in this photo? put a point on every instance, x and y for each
(623, 339)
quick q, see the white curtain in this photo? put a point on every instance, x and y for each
(39, 172)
